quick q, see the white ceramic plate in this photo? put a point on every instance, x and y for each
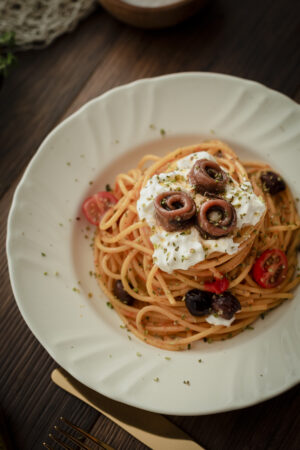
(82, 334)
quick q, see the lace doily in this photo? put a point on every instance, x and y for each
(37, 23)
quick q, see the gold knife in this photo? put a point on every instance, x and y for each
(154, 430)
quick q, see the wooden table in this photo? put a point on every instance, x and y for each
(256, 39)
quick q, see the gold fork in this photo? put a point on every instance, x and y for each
(73, 438)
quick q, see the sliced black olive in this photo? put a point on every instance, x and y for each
(121, 294)
(225, 305)
(272, 182)
(198, 302)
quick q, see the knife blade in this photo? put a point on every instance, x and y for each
(154, 430)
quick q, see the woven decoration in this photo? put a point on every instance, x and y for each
(37, 23)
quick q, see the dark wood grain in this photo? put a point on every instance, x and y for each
(43, 85)
(255, 39)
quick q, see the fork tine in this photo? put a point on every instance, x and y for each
(87, 435)
(72, 438)
(59, 442)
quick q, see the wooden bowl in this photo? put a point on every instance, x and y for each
(152, 17)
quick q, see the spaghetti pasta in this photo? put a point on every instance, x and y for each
(158, 315)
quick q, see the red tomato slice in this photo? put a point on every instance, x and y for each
(270, 269)
(217, 286)
(96, 206)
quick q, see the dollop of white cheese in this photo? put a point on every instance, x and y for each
(249, 207)
(183, 249)
(217, 320)
(223, 245)
(188, 161)
(177, 250)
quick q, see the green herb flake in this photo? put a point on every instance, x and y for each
(108, 188)
(187, 382)
(156, 379)
(138, 354)
(43, 254)
(109, 305)
(162, 132)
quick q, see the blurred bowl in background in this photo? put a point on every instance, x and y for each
(152, 13)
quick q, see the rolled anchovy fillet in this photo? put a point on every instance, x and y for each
(207, 176)
(216, 218)
(174, 210)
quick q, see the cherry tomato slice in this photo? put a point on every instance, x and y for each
(217, 286)
(96, 206)
(270, 269)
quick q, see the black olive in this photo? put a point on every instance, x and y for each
(272, 182)
(198, 302)
(225, 305)
(121, 294)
